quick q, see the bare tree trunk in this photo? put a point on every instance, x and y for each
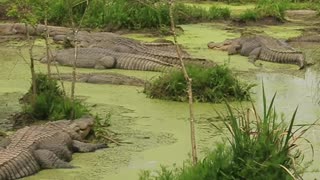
(47, 43)
(74, 66)
(33, 74)
(74, 74)
(189, 82)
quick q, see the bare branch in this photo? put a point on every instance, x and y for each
(189, 82)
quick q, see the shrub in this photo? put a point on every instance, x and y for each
(209, 85)
(50, 102)
(249, 15)
(274, 8)
(219, 13)
(261, 147)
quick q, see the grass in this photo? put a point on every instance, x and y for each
(50, 102)
(260, 146)
(119, 14)
(209, 85)
(266, 8)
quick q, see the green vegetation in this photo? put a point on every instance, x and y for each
(209, 85)
(50, 101)
(266, 8)
(260, 147)
(116, 14)
(249, 15)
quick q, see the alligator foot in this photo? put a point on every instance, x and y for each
(49, 160)
(86, 147)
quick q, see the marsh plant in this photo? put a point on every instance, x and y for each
(259, 147)
(266, 8)
(208, 84)
(51, 102)
(117, 14)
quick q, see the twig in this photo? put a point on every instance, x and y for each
(112, 140)
(189, 82)
(75, 41)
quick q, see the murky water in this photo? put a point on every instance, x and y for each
(157, 131)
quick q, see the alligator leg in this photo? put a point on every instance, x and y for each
(254, 55)
(106, 62)
(4, 142)
(86, 147)
(49, 160)
(62, 152)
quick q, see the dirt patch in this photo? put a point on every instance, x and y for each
(300, 15)
(103, 78)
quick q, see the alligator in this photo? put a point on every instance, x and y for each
(262, 47)
(99, 58)
(46, 146)
(101, 78)
(20, 28)
(121, 44)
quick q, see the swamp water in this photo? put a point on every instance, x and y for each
(156, 132)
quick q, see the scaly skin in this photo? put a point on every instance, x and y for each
(262, 47)
(44, 146)
(104, 58)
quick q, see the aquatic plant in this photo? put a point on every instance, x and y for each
(260, 147)
(50, 101)
(209, 85)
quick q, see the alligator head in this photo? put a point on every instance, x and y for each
(78, 129)
(83, 126)
(220, 45)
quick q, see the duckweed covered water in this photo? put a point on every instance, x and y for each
(157, 132)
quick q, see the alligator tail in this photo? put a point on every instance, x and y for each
(17, 164)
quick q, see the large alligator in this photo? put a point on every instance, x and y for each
(262, 47)
(44, 147)
(104, 59)
(101, 78)
(121, 44)
(20, 28)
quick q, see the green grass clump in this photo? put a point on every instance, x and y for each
(266, 8)
(249, 15)
(50, 102)
(260, 147)
(273, 8)
(208, 84)
(219, 13)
